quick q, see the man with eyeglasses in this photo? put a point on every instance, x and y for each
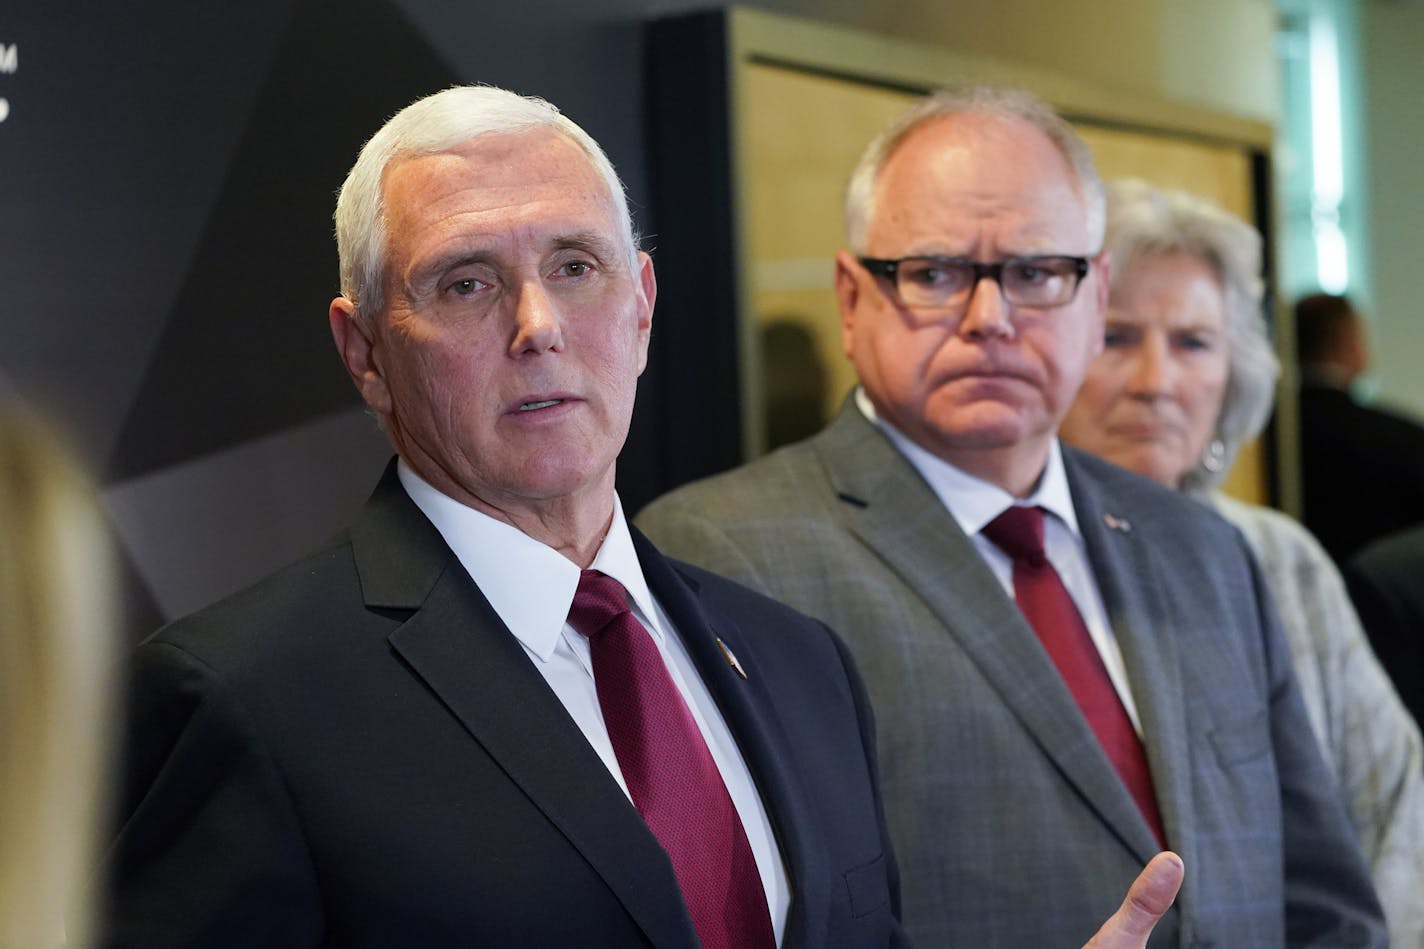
(1071, 668)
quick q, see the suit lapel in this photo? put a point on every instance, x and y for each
(456, 643)
(759, 734)
(896, 514)
(1133, 581)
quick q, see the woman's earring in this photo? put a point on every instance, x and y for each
(1215, 458)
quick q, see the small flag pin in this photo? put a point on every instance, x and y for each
(1116, 523)
(731, 659)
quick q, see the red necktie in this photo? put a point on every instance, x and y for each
(671, 775)
(1045, 602)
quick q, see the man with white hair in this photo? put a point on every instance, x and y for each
(491, 714)
(1066, 661)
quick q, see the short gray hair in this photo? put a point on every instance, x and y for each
(991, 101)
(435, 124)
(1143, 221)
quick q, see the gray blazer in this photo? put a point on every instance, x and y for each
(1010, 825)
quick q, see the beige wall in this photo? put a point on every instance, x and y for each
(802, 133)
(1213, 53)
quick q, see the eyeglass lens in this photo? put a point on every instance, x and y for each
(1025, 281)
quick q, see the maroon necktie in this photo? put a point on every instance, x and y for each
(670, 773)
(1045, 602)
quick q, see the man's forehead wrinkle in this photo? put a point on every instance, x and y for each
(493, 231)
(502, 170)
(945, 191)
(503, 244)
(503, 199)
(956, 229)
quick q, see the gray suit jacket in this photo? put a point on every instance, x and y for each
(1010, 825)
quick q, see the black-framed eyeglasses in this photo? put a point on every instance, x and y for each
(923, 283)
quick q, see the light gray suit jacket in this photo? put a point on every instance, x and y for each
(1011, 827)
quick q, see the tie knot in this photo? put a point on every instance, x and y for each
(1018, 532)
(597, 601)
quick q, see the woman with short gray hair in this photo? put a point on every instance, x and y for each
(1186, 376)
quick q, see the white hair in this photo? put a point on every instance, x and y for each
(991, 101)
(1143, 221)
(434, 124)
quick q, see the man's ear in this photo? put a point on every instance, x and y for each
(647, 283)
(1101, 290)
(848, 289)
(358, 353)
(1104, 267)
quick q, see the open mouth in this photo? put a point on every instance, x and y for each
(531, 406)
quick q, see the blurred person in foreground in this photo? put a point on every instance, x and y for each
(1361, 466)
(1071, 666)
(1187, 375)
(492, 714)
(57, 609)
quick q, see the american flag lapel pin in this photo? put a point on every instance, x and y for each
(731, 658)
(1115, 523)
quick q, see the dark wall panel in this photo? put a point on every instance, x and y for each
(167, 174)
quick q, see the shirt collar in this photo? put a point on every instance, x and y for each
(529, 584)
(972, 501)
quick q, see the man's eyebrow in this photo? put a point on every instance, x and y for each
(592, 242)
(435, 268)
(595, 242)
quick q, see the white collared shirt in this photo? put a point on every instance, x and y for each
(531, 586)
(974, 502)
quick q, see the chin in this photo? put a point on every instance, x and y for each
(985, 426)
(1161, 470)
(561, 475)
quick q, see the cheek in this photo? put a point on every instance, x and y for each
(1089, 418)
(447, 377)
(615, 362)
(1210, 388)
(914, 356)
(1101, 387)
(1065, 348)
(878, 329)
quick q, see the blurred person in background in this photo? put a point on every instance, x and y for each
(1185, 378)
(57, 609)
(1384, 582)
(1361, 467)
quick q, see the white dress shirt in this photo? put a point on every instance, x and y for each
(974, 503)
(531, 586)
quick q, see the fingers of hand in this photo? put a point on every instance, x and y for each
(1150, 895)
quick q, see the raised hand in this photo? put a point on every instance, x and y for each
(1150, 895)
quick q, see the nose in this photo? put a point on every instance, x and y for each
(537, 327)
(1152, 370)
(986, 313)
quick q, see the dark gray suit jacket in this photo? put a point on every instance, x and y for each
(1011, 827)
(356, 752)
